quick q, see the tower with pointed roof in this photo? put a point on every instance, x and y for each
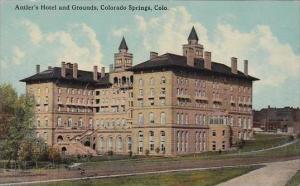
(123, 59)
(193, 46)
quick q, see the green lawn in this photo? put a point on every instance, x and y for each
(263, 141)
(197, 178)
(295, 181)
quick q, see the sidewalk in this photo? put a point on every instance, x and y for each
(274, 174)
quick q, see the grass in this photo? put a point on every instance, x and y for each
(191, 178)
(264, 141)
(295, 181)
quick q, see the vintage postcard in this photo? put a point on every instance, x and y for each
(146, 93)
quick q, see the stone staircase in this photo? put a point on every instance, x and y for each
(75, 146)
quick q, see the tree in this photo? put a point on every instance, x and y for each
(53, 154)
(17, 117)
(8, 97)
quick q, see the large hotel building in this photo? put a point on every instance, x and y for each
(168, 105)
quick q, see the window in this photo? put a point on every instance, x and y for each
(223, 132)
(151, 117)
(110, 143)
(163, 80)
(46, 121)
(186, 119)
(47, 90)
(151, 92)
(162, 101)
(163, 91)
(141, 83)
(119, 144)
(59, 90)
(141, 141)
(101, 144)
(141, 92)
(152, 82)
(214, 133)
(163, 118)
(38, 122)
(178, 118)
(69, 122)
(80, 122)
(141, 119)
(129, 141)
(162, 141)
(59, 124)
(151, 140)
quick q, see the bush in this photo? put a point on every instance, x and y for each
(241, 144)
(147, 152)
(110, 153)
(157, 150)
(291, 138)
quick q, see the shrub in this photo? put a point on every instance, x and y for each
(157, 150)
(110, 153)
(291, 138)
(147, 152)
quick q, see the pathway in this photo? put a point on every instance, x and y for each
(274, 174)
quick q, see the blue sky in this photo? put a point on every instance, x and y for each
(265, 33)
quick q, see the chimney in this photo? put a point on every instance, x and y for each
(102, 72)
(153, 55)
(37, 69)
(95, 73)
(63, 69)
(190, 57)
(246, 67)
(207, 60)
(111, 68)
(75, 70)
(234, 65)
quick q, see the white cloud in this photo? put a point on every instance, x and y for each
(119, 32)
(269, 59)
(33, 31)
(77, 44)
(18, 55)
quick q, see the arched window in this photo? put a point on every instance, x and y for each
(124, 80)
(115, 80)
(60, 139)
(151, 117)
(163, 118)
(59, 124)
(69, 122)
